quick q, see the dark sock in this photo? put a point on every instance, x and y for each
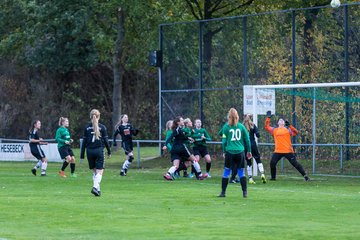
(243, 183)
(193, 171)
(224, 184)
(273, 173)
(208, 166)
(72, 167)
(65, 164)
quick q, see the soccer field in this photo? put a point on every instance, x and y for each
(144, 206)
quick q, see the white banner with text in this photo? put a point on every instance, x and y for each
(21, 152)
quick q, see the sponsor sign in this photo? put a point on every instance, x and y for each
(21, 152)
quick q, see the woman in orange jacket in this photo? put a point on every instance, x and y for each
(283, 147)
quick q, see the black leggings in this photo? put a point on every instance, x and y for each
(290, 157)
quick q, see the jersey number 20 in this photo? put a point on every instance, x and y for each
(235, 134)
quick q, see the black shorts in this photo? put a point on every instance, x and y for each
(95, 158)
(127, 146)
(200, 151)
(180, 152)
(65, 151)
(235, 160)
(37, 152)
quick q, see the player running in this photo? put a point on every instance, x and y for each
(36, 151)
(64, 147)
(126, 131)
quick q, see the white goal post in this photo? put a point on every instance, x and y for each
(264, 98)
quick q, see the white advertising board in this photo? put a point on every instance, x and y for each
(21, 152)
(264, 98)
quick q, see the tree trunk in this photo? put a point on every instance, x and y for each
(118, 68)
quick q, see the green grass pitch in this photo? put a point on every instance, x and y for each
(143, 205)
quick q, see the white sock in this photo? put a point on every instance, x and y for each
(172, 170)
(43, 167)
(126, 164)
(197, 167)
(99, 176)
(97, 180)
(38, 164)
(261, 168)
(249, 170)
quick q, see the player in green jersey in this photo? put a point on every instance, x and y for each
(64, 141)
(200, 136)
(234, 137)
(168, 132)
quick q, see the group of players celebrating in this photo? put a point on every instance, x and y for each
(185, 144)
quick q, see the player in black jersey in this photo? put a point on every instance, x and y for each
(94, 139)
(36, 151)
(180, 151)
(126, 131)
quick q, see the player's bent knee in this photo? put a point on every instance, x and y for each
(227, 172)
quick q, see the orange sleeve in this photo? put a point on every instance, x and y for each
(267, 126)
(294, 131)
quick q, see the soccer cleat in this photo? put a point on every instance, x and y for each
(191, 175)
(95, 192)
(186, 174)
(62, 174)
(232, 181)
(208, 173)
(251, 181)
(306, 178)
(263, 179)
(244, 194)
(272, 179)
(203, 176)
(43, 174)
(221, 194)
(73, 175)
(122, 173)
(168, 177)
(33, 171)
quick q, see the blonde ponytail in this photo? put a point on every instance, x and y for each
(95, 116)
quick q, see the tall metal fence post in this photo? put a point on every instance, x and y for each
(293, 66)
(341, 159)
(314, 133)
(244, 22)
(160, 85)
(138, 154)
(346, 77)
(201, 80)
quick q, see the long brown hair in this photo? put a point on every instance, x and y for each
(95, 116)
(33, 125)
(233, 117)
(176, 122)
(248, 123)
(120, 122)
